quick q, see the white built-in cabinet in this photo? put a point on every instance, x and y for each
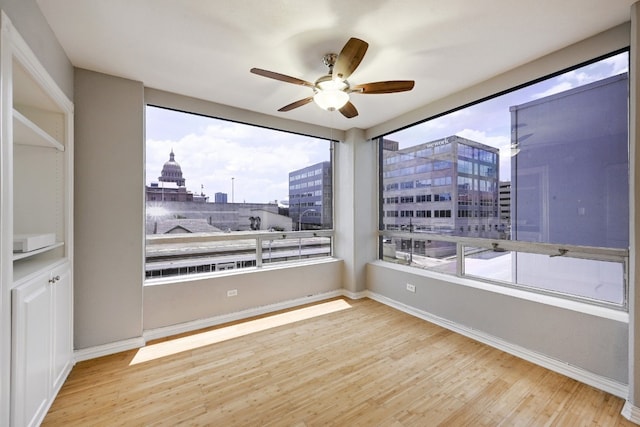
(42, 348)
(36, 195)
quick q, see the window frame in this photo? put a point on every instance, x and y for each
(617, 255)
(259, 237)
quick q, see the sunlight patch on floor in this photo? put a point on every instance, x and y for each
(178, 345)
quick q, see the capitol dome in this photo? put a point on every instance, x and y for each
(172, 172)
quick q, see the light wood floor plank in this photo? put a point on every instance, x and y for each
(361, 364)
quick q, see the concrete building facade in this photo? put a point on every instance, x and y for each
(571, 171)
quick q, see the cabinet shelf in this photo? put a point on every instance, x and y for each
(26, 132)
(22, 255)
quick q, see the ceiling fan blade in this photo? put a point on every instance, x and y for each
(349, 110)
(350, 57)
(281, 77)
(390, 86)
(296, 104)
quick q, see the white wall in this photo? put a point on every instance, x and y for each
(175, 303)
(593, 343)
(355, 192)
(109, 203)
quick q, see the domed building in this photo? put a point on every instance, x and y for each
(172, 172)
(171, 185)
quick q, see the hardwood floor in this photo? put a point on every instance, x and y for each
(360, 364)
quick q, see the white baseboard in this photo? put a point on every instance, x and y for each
(181, 328)
(116, 347)
(579, 374)
(354, 295)
(107, 349)
(631, 412)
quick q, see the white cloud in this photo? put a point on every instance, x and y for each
(560, 87)
(619, 64)
(608, 67)
(258, 159)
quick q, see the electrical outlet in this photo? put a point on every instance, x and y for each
(411, 288)
(232, 293)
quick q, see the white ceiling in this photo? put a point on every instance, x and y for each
(205, 49)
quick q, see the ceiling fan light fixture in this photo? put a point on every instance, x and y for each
(331, 93)
(331, 99)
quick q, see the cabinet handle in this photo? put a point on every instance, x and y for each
(53, 280)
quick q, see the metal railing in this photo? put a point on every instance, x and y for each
(451, 254)
(185, 253)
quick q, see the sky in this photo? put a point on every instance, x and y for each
(211, 152)
(489, 122)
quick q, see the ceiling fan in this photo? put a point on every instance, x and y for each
(331, 91)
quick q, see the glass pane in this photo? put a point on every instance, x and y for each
(596, 280)
(570, 175)
(210, 177)
(279, 250)
(544, 163)
(421, 253)
(488, 264)
(194, 256)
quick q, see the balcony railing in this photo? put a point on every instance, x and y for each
(171, 255)
(592, 274)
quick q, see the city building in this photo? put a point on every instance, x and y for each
(172, 172)
(504, 204)
(220, 197)
(224, 217)
(173, 209)
(171, 185)
(445, 186)
(168, 191)
(554, 180)
(310, 196)
(571, 177)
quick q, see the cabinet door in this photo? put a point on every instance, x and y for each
(31, 360)
(62, 324)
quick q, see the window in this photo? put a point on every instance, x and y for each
(393, 186)
(239, 196)
(536, 178)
